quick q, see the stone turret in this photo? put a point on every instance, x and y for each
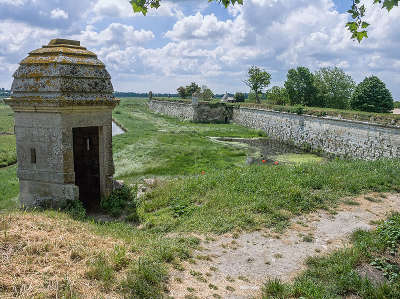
(62, 97)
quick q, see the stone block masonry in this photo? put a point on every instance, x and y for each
(181, 110)
(201, 112)
(346, 138)
(334, 136)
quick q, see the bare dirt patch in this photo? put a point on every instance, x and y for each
(232, 267)
(46, 257)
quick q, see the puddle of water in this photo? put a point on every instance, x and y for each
(271, 150)
(117, 130)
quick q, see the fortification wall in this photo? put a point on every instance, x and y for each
(335, 136)
(201, 112)
(347, 138)
(177, 109)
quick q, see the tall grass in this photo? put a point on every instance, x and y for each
(262, 196)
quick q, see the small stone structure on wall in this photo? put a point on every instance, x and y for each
(198, 112)
(340, 137)
(63, 99)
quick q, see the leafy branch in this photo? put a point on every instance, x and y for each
(142, 6)
(358, 27)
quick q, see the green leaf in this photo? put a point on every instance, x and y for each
(364, 25)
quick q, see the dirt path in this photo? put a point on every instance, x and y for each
(237, 267)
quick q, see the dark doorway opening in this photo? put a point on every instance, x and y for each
(87, 166)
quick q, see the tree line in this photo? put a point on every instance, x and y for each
(329, 87)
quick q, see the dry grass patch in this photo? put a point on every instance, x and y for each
(43, 257)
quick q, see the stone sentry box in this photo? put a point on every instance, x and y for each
(63, 99)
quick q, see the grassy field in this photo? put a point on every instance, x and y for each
(9, 187)
(6, 119)
(161, 146)
(262, 196)
(339, 275)
(8, 154)
(206, 187)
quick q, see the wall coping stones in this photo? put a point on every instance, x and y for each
(325, 118)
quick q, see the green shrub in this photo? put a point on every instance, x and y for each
(372, 95)
(206, 94)
(389, 232)
(334, 87)
(252, 97)
(121, 201)
(274, 289)
(301, 89)
(239, 97)
(75, 209)
(396, 105)
(278, 96)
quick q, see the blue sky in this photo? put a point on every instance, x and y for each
(193, 40)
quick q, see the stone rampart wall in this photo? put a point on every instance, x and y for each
(347, 138)
(334, 136)
(177, 109)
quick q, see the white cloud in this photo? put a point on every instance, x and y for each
(115, 34)
(58, 14)
(155, 53)
(123, 9)
(13, 2)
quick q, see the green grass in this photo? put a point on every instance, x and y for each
(337, 275)
(8, 155)
(160, 146)
(6, 118)
(257, 196)
(9, 187)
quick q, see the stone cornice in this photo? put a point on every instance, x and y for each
(54, 105)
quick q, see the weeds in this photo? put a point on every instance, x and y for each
(145, 279)
(121, 201)
(256, 197)
(100, 269)
(336, 275)
(75, 209)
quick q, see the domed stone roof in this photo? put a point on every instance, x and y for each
(62, 71)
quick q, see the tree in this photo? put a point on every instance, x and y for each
(278, 96)
(182, 92)
(372, 95)
(239, 97)
(300, 87)
(358, 27)
(192, 88)
(258, 79)
(206, 94)
(334, 87)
